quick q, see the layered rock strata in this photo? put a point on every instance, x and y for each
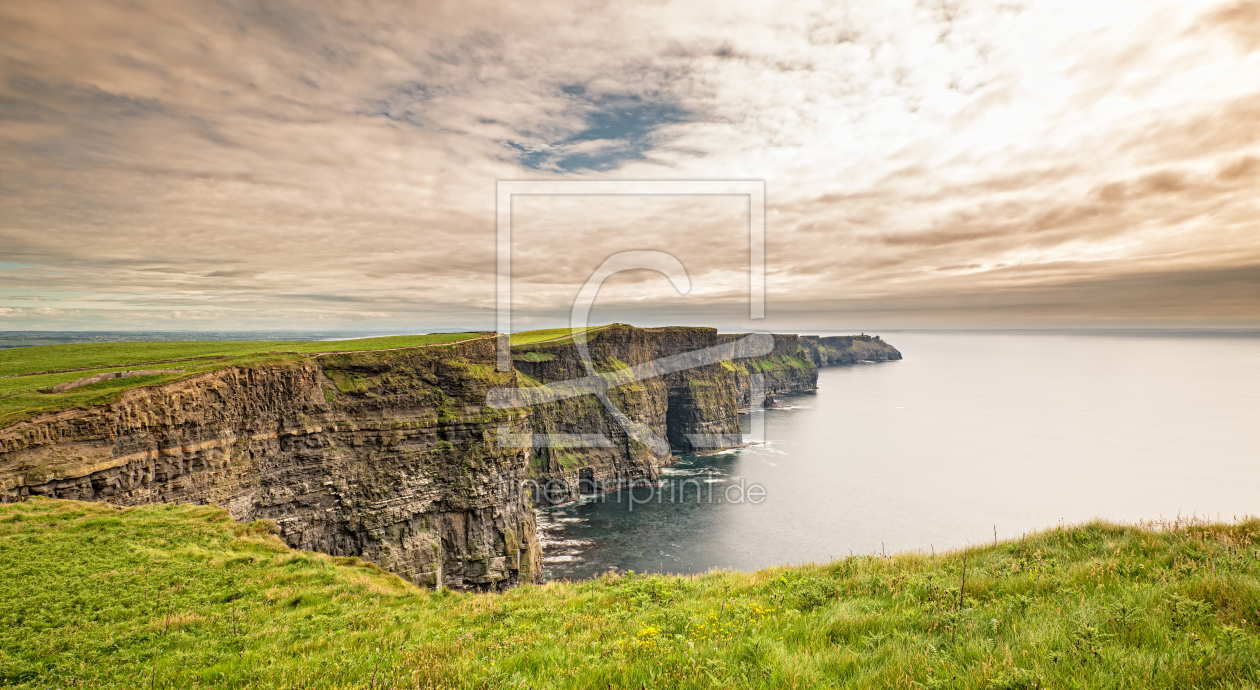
(396, 457)
(695, 409)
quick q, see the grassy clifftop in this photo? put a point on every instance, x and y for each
(179, 596)
(25, 370)
(550, 336)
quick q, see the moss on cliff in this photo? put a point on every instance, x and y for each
(777, 363)
(534, 357)
(734, 367)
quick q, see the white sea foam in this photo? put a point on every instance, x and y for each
(560, 543)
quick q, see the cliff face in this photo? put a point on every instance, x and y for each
(784, 370)
(382, 455)
(695, 409)
(395, 456)
(564, 472)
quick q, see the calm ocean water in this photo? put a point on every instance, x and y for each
(969, 432)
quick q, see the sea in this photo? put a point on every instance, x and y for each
(971, 438)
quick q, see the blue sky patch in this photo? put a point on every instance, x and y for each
(621, 127)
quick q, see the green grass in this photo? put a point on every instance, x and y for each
(550, 335)
(179, 596)
(20, 399)
(20, 360)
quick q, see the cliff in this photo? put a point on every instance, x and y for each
(694, 409)
(395, 455)
(846, 349)
(384, 455)
(671, 404)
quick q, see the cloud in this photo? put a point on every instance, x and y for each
(303, 163)
(1241, 20)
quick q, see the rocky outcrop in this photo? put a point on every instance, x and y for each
(388, 456)
(847, 349)
(396, 457)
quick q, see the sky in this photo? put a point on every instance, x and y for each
(945, 164)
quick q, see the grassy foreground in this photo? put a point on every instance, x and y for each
(179, 597)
